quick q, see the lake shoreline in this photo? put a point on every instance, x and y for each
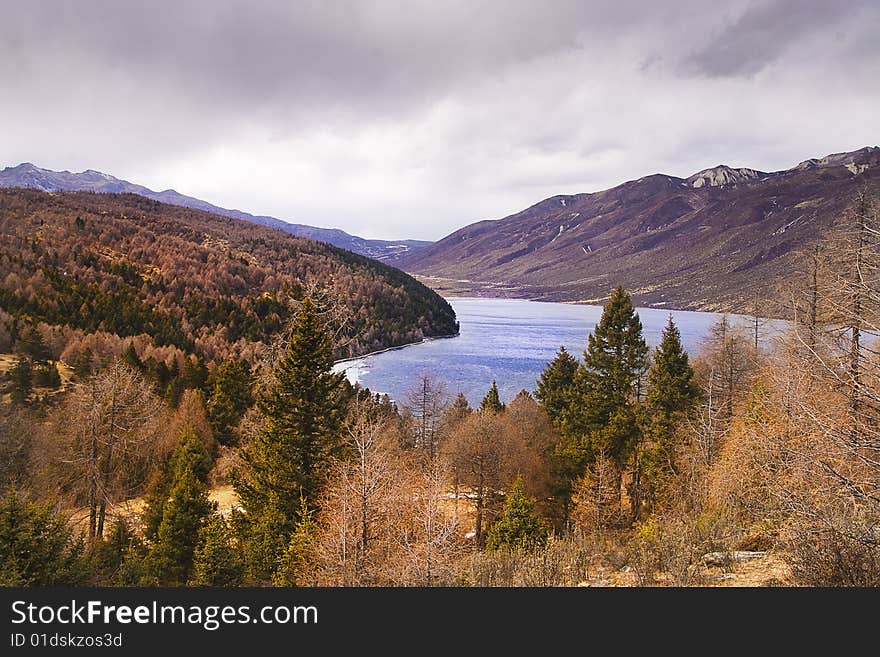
(458, 289)
(396, 347)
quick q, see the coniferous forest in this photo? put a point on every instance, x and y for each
(209, 465)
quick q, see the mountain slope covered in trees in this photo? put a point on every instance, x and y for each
(709, 242)
(28, 176)
(126, 266)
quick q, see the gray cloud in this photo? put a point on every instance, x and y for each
(410, 119)
(765, 30)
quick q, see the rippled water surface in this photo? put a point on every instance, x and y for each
(509, 340)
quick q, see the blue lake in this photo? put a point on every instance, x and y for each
(508, 340)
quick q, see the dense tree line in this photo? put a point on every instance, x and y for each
(130, 266)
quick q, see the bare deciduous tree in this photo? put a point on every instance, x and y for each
(530, 438)
(358, 502)
(112, 425)
(427, 535)
(726, 365)
(596, 498)
(426, 403)
(478, 452)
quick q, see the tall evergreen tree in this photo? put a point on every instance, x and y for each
(671, 387)
(298, 565)
(171, 558)
(37, 547)
(190, 452)
(554, 386)
(47, 376)
(458, 410)
(602, 410)
(106, 555)
(130, 356)
(82, 364)
(303, 411)
(492, 401)
(32, 345)
(194, 373)
(21, 380)
(231, 396)
(671, 392)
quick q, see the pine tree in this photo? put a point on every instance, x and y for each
(671, 387)
(21, 380)
(231, 396)
(47, 376)
(492, 401)
(217, 560)
(288, 460)
(193, 374)
(32, 345)
(671, 392)
(607, 387)
(298, 565)
(82, 364)
(265, 537)
(458, 410)
(162, 375)
(130, 356)
(37, 547)
(106, 555)
(183, 513)
(554, 386)
(519, 525)
(190, 452)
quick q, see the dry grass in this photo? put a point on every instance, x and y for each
(226, 499)
(769, 570)
(131, 510)
(8, 360)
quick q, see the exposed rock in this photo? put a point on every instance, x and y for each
(722, 175)
(721, 559)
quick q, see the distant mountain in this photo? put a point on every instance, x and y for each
(708, 242)
(28, 176)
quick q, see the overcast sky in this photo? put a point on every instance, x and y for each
(395, 118)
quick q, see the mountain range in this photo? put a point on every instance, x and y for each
(715, 240)
(29, 176)
(711, 241)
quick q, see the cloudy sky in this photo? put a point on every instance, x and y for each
(393, 118)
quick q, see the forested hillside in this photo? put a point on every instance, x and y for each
(123, 265)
